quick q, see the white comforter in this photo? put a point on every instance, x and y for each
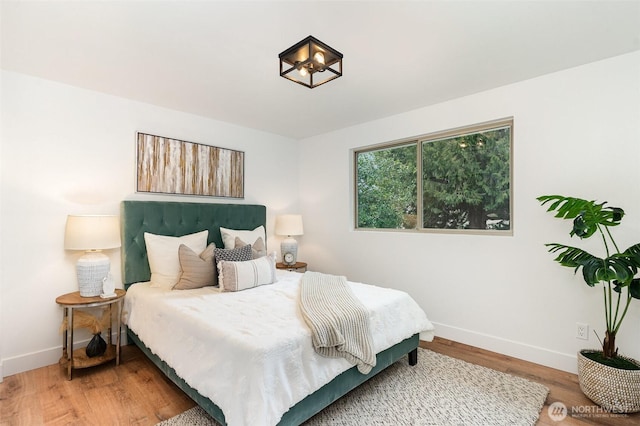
(250, 352)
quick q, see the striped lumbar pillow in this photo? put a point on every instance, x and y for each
(236, 276)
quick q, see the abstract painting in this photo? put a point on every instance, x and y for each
(173, 166)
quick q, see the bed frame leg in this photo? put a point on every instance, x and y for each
(413, 357)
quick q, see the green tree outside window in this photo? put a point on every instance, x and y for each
(387, 188)
(465, 182)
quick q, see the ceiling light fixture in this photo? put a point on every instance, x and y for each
(311, 63)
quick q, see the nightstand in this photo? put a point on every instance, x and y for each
(297, 267)
(78, 358)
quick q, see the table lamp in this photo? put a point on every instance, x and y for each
(289, 225)
(92, 234)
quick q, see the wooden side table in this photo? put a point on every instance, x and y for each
(297, 267)
(78, 358)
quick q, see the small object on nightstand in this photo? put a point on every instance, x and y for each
(97, 346)
(288, 259)
(296, 267)
(108, 287)
(79, 358)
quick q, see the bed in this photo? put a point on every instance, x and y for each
(160, 337)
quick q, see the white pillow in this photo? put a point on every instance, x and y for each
(162, 252)
(249, 237)
(236, 276)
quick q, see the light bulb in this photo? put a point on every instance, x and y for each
(319, 57)
(303, 71)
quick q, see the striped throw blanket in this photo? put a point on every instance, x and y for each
(339, 322)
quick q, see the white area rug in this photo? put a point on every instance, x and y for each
(439, 390)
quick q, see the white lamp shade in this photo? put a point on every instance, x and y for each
(92, 232)
(289, 224)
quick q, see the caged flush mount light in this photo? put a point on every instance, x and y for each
(311, 63)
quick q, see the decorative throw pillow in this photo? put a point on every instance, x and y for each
(236, 276)
(250, 237)
(258, 249)
(197, 270)
(234, 255)
(162, 252)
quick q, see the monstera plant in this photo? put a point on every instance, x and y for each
(616, 270)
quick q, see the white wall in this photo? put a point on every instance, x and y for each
(1, 233)
(71, 151)
(66, 150)
(576, 132)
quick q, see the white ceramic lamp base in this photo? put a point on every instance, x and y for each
(289, 251)
(92, 268)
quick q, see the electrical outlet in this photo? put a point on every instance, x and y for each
(582, 331)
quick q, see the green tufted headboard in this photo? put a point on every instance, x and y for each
(176, 219)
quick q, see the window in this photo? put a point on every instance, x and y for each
(465, 181)
(387, 189)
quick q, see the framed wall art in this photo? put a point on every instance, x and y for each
(173, 166)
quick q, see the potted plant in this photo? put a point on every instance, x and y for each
(607, 378)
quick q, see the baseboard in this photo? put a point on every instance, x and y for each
(538, 355)
(43, 358)
(30, 361)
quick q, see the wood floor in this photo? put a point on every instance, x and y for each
(136, 393)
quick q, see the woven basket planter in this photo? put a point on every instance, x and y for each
(613, 389)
